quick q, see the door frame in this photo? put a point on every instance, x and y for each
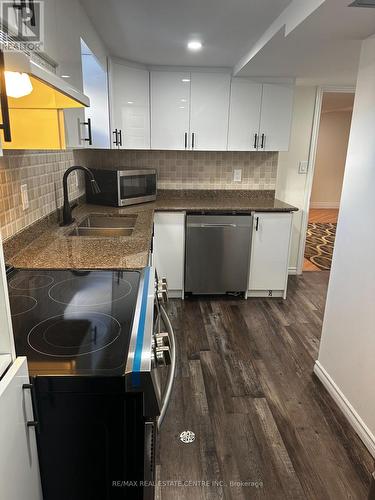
(311, 164)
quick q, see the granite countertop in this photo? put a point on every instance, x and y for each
(223, 201)
(46, 245)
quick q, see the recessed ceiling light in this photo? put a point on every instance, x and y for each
(130, 102)
(194, 45)
(65, 76)
(185, 80)
(182, 107)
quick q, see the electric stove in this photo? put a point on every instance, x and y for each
(95, 353)
(71, 322)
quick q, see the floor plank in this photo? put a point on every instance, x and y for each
(245, 386)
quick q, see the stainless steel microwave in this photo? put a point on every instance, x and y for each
(121, 186)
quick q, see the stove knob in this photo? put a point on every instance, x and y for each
(163, 356)
(161, 339)
(153, 359)
(162, 295)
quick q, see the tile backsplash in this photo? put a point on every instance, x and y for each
(42, 172)
(191, 169)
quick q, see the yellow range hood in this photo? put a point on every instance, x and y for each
(37, 118)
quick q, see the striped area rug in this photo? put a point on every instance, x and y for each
(319, 244)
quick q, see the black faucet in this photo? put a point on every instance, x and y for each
(67, 209)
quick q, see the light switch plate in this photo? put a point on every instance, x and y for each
(303, 167)
(237, 175)
(24, 197)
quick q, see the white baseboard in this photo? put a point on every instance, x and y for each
(292, 270)
(325, 204)
(349, 412)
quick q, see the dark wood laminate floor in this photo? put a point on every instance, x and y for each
(245, 386)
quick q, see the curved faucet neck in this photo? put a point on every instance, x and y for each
(67, 210)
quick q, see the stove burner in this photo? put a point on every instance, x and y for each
(74, 334)
(21, 304)
(31, 282)
(90, 291)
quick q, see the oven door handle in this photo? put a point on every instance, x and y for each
(172, 370)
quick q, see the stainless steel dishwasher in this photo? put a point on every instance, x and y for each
(217, 253)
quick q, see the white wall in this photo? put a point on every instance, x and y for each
(347, 352)
(330, 158)
(290, 185)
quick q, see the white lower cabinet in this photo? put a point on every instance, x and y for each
(169, 249)
(269, 259)
(19, 468)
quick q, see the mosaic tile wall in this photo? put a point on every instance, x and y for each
(192, 169)
(42, 172)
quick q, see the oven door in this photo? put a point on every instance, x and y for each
(136, 186)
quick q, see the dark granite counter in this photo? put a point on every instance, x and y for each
(223, 201)
(47, 245)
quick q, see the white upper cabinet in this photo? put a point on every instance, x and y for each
(130, 106)
(170, 109)
(244, 115)
(209, 111)
(276, 117)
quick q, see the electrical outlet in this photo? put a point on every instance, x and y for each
(24, 197)
(76, 179)
(303, 167)
(237, 175)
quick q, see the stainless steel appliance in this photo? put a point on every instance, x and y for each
(217, 253)
(122, 186)
(97, 344)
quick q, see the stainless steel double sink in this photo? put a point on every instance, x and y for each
(105, 226)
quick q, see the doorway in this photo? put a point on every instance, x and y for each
(331, 149)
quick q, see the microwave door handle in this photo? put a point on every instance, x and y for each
(172, 370)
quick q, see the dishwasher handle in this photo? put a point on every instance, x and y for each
(211, 225)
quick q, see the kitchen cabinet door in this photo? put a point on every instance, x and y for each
(19, 468)
(130, 106)
(209, 111)
(170, 108)
(270, 254)
(169, 249)
(244, 115)
(95, 129)
(276, 117)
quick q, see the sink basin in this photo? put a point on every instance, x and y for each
(105, 226)
(109, 221)
(101, 232)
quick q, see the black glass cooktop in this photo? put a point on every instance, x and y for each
(73, 322)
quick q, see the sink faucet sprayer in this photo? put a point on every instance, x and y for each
(67, 209)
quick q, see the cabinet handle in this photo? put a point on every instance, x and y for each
(186, 139)
(115, 142)
(256, 223)
(120, 135)
(255, 141)
(262, 143)
(5, 126)
(192, 140)
(32, 423)
(89, 138)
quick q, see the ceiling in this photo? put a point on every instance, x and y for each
(155, 32)
(314, 41)
(323, 49)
